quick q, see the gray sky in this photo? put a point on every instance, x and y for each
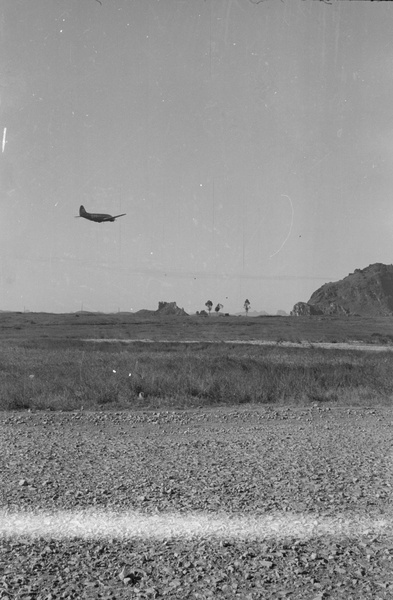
(251, 146)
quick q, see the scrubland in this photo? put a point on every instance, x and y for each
(63, 372)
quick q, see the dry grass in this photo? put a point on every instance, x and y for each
(70, 375)
(45, 365)
(36, 326)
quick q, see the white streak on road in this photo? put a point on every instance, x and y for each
(4, 139)
(95, 524)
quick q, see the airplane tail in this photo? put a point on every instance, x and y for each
(82, 211)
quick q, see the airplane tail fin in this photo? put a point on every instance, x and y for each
(82, 211)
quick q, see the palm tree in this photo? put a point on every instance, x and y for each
(247, 306)
(209, 305)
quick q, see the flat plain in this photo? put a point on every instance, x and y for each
(195, 470)
(24, 326)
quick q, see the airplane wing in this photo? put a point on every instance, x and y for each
(109, 218)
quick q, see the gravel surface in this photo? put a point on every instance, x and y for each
(317, 467)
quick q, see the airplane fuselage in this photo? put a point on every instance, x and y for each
(98, 217)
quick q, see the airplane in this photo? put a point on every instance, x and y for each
(97, 217)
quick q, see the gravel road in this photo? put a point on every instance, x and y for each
(227, 503)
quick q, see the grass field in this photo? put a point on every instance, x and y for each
(35, 326)
(44, 364)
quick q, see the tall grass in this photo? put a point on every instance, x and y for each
(168, 375)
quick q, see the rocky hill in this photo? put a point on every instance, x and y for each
(170, 308)
(366, 292)
(164, 308)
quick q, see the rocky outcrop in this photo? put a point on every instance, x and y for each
(366, 292)
(303, 309)
(170, 308)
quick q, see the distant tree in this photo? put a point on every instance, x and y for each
(209, 305)
(218, 308)
(247, 306)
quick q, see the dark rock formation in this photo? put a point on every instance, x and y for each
(303, 309)
(170, 308)
(366, 292)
